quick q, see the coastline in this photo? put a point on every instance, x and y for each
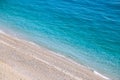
(55, 62)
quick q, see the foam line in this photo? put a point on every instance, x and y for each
(97, 73)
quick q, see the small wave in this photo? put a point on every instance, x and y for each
(97, 73)
(2, 32)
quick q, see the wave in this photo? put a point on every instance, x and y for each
(97, 73)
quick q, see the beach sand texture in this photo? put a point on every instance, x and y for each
(22, 60)
(8, 73)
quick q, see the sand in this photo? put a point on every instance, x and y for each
(22, 60)
(8, 73)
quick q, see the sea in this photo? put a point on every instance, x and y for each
(86, 31)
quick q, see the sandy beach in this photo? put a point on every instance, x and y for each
(22, 60)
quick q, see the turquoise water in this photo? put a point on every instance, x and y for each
(87, 31)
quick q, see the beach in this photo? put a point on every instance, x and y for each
(8, 73)
(22, 60)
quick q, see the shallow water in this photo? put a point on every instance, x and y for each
(87, 31)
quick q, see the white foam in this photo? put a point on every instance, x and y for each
(2, 32)
(97, 73)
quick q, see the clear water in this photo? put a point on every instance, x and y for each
(87, 31)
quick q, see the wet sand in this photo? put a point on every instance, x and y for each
(22, 60)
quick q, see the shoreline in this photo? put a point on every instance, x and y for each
(94, 72)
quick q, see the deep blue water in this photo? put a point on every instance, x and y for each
(87, 31)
